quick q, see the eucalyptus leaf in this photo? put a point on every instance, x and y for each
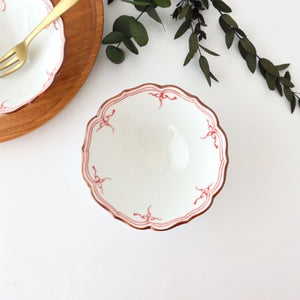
(269, 67)
(115, 54)
(271, 81)
(122, 24)
(222, 6)
(130, 46)
(184, 12)
(182, 29)
(139, 32)
(291, 97)
(163, 3)
(229, 20)
(251, 62)
(188, 58)
(113, 38)
(209, 51)
(282, 67)
(137, 2)
(212, 76)
(204, 65)
(229, 38)
(151, 11)
(193, 43)
(279, 87)
(248, 46)
(286, 82)
(205, 3)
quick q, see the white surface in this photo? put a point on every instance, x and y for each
(154, 156)
(45, 53)
(57, 243)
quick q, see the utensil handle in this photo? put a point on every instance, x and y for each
(61, 7)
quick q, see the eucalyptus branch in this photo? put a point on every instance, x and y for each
(128, 29)
(130, 32)
(270, 71)
(191, 13)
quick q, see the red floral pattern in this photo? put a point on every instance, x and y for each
(211, 133)
(204, 193)
(148, 217)
(99, 181)
(105, 121)
(162, 96)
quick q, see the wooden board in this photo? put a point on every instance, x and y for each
(83, 30)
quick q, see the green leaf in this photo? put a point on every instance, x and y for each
(204, 65)
(222, 6)
(113, 38)
(282, 67)
(262, 70)
(188, 58)
(229, 21)
(122, 23)
(209, 51)
(130, 46)
(205, 68)
(242, 51)
(205, 3)
(213, 77)
(139, 33)
(286, 82)
(225, 27)
(288, 94)
(240, 32)
(251, 62)
(229, 38)
(184, 12)
(151, 11)
(248, 46)
(269, 67)
(115, 54)
(291, 97)
(163, 3)
(271, 81)
(279, 87)
(287, 75)
(193, 43)
(182, 29)
(137, 2)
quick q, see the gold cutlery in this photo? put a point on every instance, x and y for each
(15, 58)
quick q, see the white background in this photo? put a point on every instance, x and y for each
(57, 243)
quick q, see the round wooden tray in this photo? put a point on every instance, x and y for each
(83, 30)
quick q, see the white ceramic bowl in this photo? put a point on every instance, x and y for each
(46, 51)
(154, 156)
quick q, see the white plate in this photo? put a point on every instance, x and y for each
(46, 51)
(154, 156)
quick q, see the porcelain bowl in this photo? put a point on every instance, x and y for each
(45, 56)
(154, 156)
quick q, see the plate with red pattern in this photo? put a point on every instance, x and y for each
(46, 52)
(154, 156)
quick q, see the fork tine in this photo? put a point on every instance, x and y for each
(9, 63)
(15, 68)
(7, 55)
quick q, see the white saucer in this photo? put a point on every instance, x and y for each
(46, 51)
(154, 156)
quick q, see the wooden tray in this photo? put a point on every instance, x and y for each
(83, 30)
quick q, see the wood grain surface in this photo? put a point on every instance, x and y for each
(83, 31)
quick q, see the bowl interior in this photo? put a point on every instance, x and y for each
(158, 153)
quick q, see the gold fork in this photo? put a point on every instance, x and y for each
(16, 57)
